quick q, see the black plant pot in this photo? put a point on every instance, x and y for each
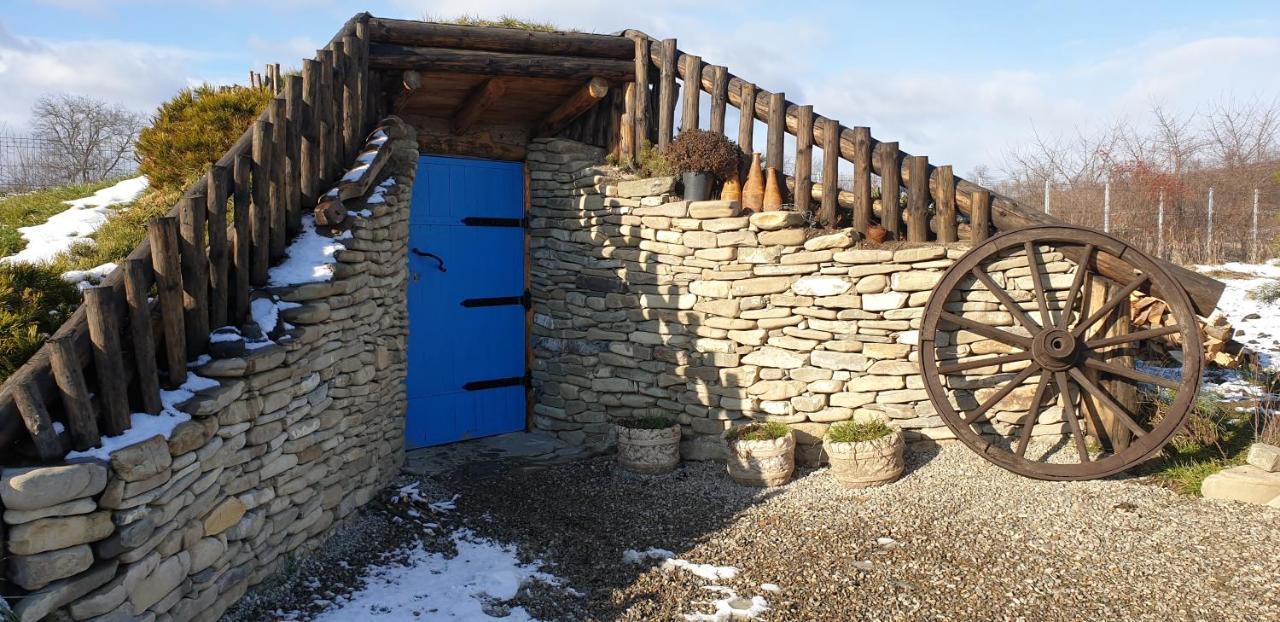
(697, 186)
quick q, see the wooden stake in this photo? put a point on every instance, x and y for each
(692, 91)
(640, 115)
(294, 115)
(195, 278)
(108, 358)
(278, 236)
(667, 93)
(830, 172)
(890, 190)
(980, 216)
(166, 265)
(777, 129)
(36, 417)
(259, 219)
(918, 199)
(82, 422)
(219, 180)
(861, 179)
(747, 118)
(945, 202)
(720, 97)
(804, 160)
(137, 280)
(310, 132)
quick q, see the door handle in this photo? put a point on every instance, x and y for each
(422, 253)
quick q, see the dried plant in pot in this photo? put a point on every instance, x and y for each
(864, 454)
(702, 158)
(648, 445)
(761, 454)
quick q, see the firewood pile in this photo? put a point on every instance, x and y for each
(1219, 346)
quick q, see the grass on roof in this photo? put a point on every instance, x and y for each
(502, 21)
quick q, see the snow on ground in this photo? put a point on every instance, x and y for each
(421, 585)
(1257, 324)
(310, 257)
(74, 225)
(729, 606)
(145, 426)
(84, 279)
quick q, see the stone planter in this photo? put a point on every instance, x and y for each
(762, 463)
(868, 463)
(649, 451)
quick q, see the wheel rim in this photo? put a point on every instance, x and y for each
(1056, 353)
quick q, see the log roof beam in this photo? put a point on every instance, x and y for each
(572, 107)
(388, 56)
(477, 102)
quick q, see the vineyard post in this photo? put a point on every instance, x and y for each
(1106, 208)
(1208, 241)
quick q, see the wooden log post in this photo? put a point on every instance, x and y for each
(77, 404)
(36, 418)
(572, 107)
(861, 179)
(363, 105)
(338, 115)
(627, 150)
(480, 100)
(945, 202)
(219, 182)
(747, 118)
(195, 276)
(294, 116)
(720, 97)
(979, 216)
(108, 358)
(804, 161)
(259, 219)
(667, 93)
(324, 119)
(890, 190)
(830, 172)
(918, 199)
(240, 242)
(166, 265)
(1109, 429)
(309, 168)
(278, 238)
(777, 129)
(692, 91)
(640, 112)
(351, 122)
(138, 277)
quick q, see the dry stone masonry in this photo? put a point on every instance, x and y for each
(295, 436)
(644, 304)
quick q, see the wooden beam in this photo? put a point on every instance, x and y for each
(386, 56)
(425, 34)
(479, 100)
(582, 100)
(39, 425)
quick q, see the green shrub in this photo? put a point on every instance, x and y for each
(855, 432)
(758, 432)
(34, 301)
(647, 423)
(701, 151)
(192, 130)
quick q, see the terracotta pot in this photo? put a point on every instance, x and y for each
(762, 463)
(732, 189)
(877, 234)
(753, 189)
(649, 451)
(869, 463)
(772, 191)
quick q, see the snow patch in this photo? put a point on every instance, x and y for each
(74, 225)
(1261, 333)
(145, 426)
(730, 607)
(430, 586)
(709, 572)
(310, 257)
(632, 556)
(84, 279)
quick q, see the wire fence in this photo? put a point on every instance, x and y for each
(31, 163)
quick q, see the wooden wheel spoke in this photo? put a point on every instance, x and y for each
(1037, 403)
(1094, 390)
(1069, 414)
(990, 332)
(1041, 300)
(952, 368)
(1121, 296)
(1141, 335)
(1003, 296)
(999, 395)
(1131, 374)
(1082, 268)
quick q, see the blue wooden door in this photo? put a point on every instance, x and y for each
(466, 375)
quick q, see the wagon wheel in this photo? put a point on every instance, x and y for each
(1049, 347)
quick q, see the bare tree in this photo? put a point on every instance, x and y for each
(1243, 134)
(87, 139)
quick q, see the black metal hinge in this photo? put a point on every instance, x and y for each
(486, 221)
(525, 300)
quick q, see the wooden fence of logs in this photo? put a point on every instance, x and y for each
(113, 356)
(666, 77)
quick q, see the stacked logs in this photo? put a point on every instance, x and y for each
(1219, 346)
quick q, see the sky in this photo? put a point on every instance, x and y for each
(963, 82)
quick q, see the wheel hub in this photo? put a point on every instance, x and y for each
(1055, 349)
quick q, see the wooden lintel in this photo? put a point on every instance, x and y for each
(387, 56)
(582, 100)
(479, 100)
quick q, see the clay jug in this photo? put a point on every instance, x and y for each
(732, 189)
(753, 190)
(877, 234)
(772, 191)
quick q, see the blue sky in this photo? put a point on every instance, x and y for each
(961, 81)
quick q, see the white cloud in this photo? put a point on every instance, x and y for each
(137, 76)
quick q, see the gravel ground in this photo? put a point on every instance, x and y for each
(969, 541)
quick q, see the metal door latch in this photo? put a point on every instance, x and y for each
(422, 253)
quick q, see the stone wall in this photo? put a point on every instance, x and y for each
(645, 304)
(295, 434)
